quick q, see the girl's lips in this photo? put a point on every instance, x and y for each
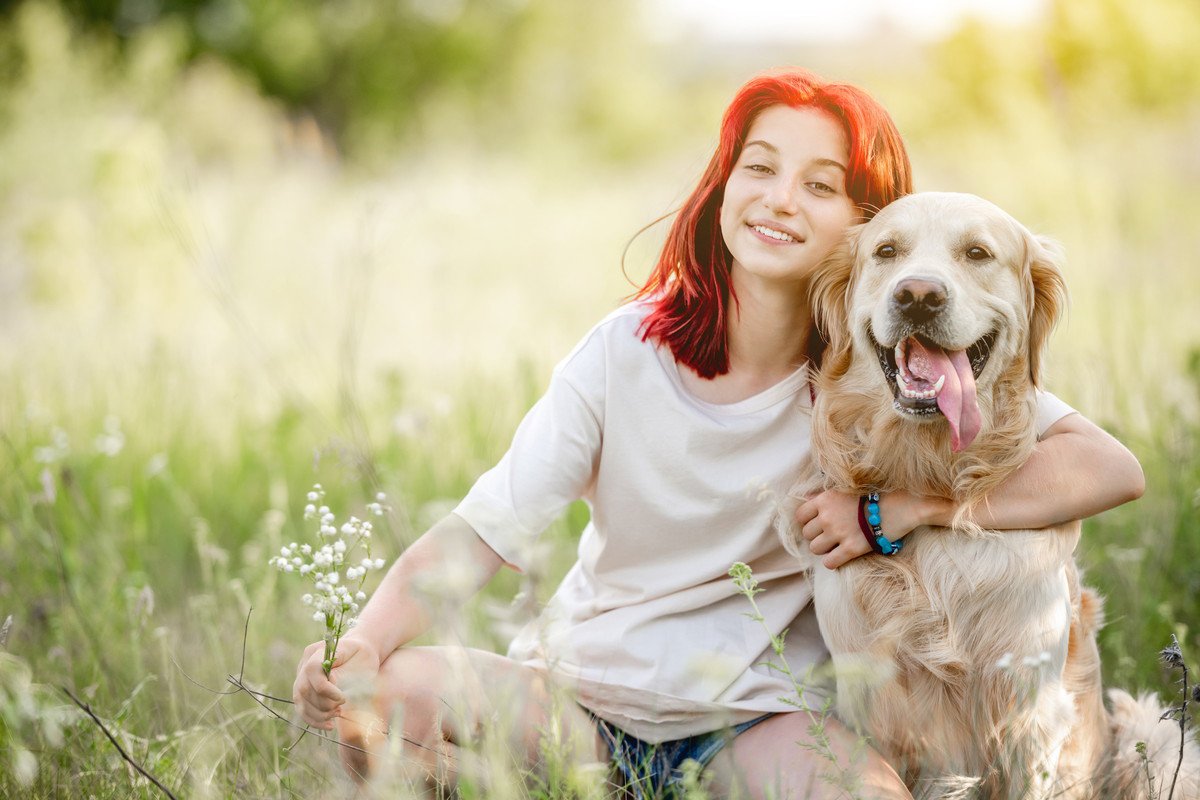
(758, 228)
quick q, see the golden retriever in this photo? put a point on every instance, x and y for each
(969, 658)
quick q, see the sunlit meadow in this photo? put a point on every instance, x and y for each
(206, 307)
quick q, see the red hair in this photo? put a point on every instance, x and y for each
(690, 283)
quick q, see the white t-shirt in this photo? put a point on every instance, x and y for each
(647, 625)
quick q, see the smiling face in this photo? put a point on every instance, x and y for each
(943, 296)
(785, 204)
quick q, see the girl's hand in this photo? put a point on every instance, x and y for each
(318, 698)
(829, 522)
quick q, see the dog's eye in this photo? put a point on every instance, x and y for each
(977, 253)
(885, 251)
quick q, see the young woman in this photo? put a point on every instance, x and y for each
(679, 418)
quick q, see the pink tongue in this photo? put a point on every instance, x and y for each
(956, 401)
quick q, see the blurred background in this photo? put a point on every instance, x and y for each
(246, 245)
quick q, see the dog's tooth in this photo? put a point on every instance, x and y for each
(937, 387)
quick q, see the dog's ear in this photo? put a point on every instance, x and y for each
(1048, 291)
(830, 300)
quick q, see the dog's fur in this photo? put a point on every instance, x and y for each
(969, 658)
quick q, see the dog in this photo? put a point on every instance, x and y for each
(969, 658)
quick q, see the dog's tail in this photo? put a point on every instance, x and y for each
(1149, 753)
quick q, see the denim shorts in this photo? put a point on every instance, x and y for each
(655, 771)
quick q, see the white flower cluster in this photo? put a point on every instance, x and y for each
(58, 449)
(333, 601)
(112, 441)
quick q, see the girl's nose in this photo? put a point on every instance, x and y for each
(782, 197)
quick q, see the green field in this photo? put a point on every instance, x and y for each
(207, 305)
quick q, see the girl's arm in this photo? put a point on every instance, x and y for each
(1077, 470)
(450, 554)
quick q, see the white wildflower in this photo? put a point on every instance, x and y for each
(112, 440)
(336, 571)
(157, 465)
(58, 449)
(1005, 661)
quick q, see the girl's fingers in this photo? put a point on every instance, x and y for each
(821, 545)
(847, 552)
(806, 513)
(317, 717)
(322, 689)
(322, 704)
(308, 653)
(837, 557)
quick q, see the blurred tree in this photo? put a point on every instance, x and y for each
(1083, 60)
(365, 68)
(1142, 55)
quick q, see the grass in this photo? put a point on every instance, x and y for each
(253, 316)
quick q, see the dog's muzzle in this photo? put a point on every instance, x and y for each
(928, 379)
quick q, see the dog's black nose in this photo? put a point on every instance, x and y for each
(919, 300)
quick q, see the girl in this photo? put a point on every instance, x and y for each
(679, 418)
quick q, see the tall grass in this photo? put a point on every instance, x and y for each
(216, 315)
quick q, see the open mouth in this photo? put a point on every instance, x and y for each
(928, 379)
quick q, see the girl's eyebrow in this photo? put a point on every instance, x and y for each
(829, 162)
(823, 162)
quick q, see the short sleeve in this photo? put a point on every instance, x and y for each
(551, 462)
(1049, 411)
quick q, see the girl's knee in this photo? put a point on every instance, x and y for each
(409, 694)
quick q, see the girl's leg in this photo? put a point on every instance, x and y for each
(433, 701)
(776, 759)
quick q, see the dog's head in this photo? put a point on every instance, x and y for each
(948, 295)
